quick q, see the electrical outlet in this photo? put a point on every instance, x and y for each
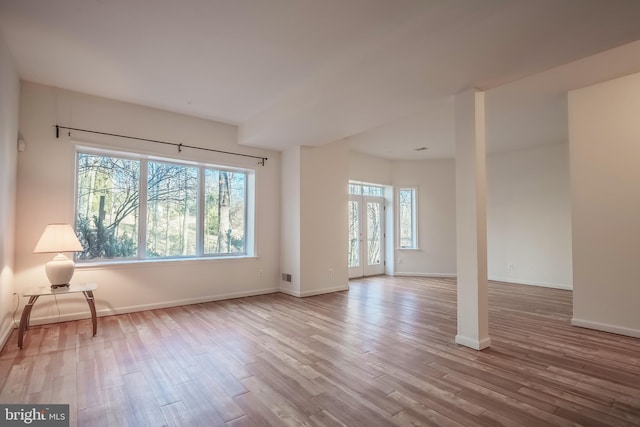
(331, 272)
(260, 273)
(510, 266)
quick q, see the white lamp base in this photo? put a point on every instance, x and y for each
(60, 270)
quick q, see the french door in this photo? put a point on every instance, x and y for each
(366, 236)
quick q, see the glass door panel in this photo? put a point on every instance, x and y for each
(375, 234)
(354, 233)
(355, 237)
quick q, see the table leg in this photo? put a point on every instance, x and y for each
(24, 319)
(89, 296)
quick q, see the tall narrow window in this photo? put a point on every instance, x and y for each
(407, 218)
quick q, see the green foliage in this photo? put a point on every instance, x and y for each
(212, 223)
(234, 244)
(99, 241)
(110, 221)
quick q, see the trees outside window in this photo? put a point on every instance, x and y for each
(107, 206)
(172, 210)
(374, 229)
(354, 234)
(407, 218)
(188, 210)
(225, 212)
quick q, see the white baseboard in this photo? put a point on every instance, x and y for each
(531, 283)
(325, 291)
(143, 307)
(314, 292)
(289, 292)
(4, 334)
(605, 327)
(405, 274)
(473, 343)
(494, 278)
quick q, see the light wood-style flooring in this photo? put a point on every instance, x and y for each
(381, 354)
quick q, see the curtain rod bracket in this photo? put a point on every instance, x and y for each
(180, 148)
(57, 132)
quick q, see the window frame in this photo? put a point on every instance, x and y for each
(414, 219)
(143, 159)
(365, 190)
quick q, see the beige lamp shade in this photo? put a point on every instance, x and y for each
(58, 238)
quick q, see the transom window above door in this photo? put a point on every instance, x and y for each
(366, 190)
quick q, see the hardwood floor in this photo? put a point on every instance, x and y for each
(380, 354)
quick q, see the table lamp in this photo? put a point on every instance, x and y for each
(59, 238)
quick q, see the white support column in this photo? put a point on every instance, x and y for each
(471, 221)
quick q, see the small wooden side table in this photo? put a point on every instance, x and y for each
(35, 293)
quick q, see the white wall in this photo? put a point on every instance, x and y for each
(9, 101)
(45, 194)
(324, 218)
(529, 216)
(435, 180)
(604, 135)
(314, 218)
(369, 169)
(290, 219)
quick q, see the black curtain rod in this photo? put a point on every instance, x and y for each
(179, 145)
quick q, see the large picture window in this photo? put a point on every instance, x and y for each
(130, 207)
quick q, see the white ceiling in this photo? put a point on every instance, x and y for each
(381, 73)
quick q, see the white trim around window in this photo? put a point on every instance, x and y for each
(407, 218)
